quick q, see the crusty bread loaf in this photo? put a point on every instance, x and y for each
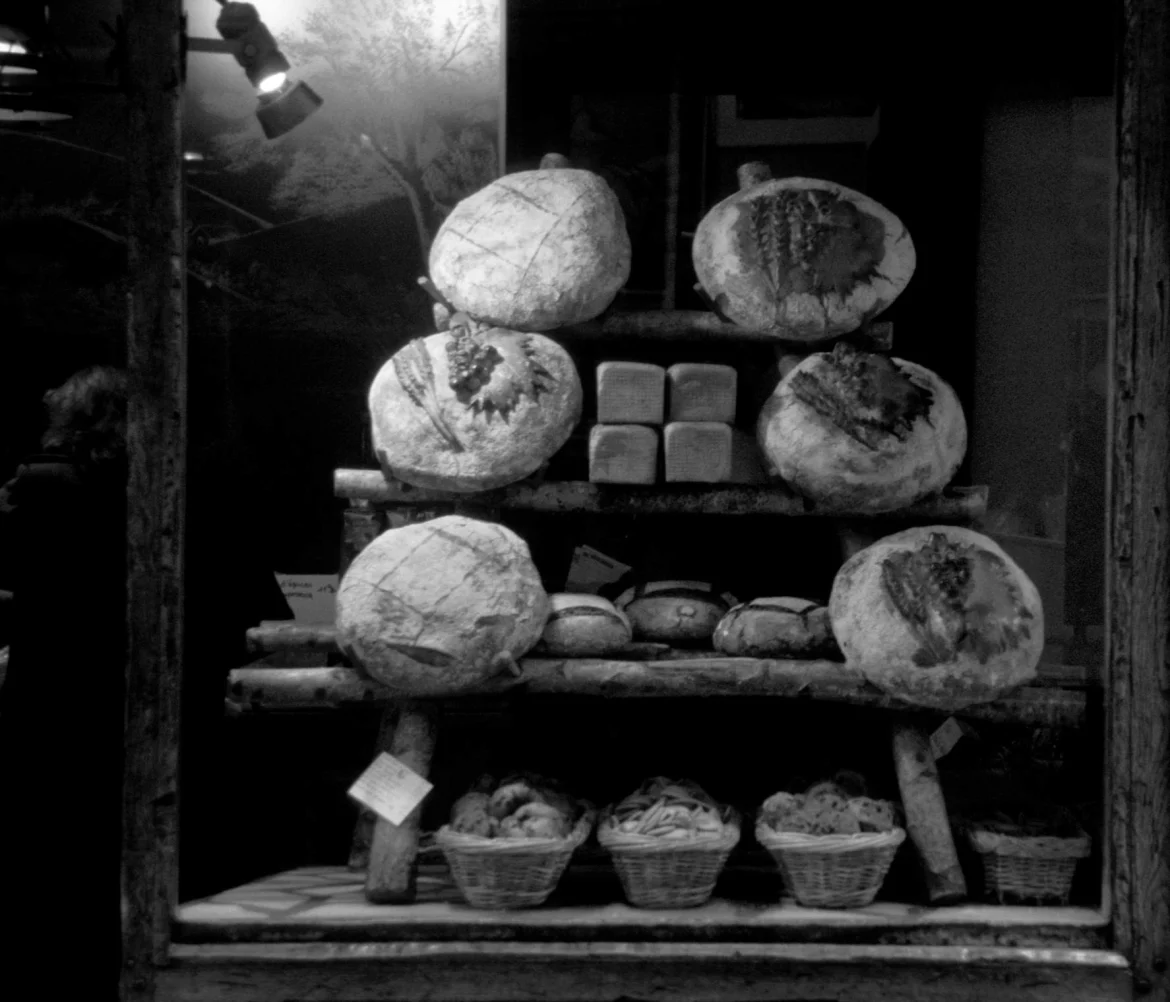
(684, 613)
(776, 628)
(469, 411)
(939, 616)
(584, 625)
(534, 250)
(802, 258)
(435, 607)
(857, 431)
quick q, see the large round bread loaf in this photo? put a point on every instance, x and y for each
(463, 411)
(939, 616)
(674, 612)
(857, 431)
(775, 628)
(584, 625)
(436, 607)
(802, 258)
(534, 250)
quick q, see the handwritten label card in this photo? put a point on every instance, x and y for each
(312, 597)
(390, 788)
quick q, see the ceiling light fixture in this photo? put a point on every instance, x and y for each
(29, 94)
(283, 104)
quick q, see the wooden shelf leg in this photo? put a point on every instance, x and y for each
(392, 873)
(363, 832)
(926, 815)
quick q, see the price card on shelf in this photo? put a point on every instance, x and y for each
(390, 788)
(591, 570)
(946, 737)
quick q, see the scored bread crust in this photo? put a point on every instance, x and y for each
(877, 640)
(425, 436)
(534, 250)
(823, 463)
(740, 289)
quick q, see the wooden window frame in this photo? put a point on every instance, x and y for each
(1137, 689)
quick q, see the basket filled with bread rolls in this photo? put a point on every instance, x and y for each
(509, 841)
(833, 846)
(669, 841)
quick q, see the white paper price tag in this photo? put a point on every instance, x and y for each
(390, 789)
(945, 738)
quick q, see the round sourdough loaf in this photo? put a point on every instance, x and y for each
(436, 607)
(776, 628)
(468, 411)
(674, 612)
(584, 625)
(857, 431)
(802, 258)
(939, 616)
(534, 250)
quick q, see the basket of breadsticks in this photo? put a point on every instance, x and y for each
(669, 841)
(833, 847)
(509, 841)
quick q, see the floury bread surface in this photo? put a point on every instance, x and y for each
(700, 391)
(939, 616)
(802, 258)
(630, 393)
(436, 607)
(534, 250)
(623, 454)
(463, 411)
(859, 432)
(697, 452)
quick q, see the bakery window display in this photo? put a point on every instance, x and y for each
(903, 624)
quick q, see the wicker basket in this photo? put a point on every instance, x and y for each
(660, 873)
(832, 871)
(505, 872)
(1021, 868)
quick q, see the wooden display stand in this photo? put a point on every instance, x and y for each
(256, 943)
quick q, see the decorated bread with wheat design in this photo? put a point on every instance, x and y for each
(473, 407)
(939, 616)
(802, 258)
(534, 250)
(857, 431)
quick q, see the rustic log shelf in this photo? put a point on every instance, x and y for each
(318, 687)
(955, 504)
(703, 325)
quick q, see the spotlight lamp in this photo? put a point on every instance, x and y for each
(283, 104)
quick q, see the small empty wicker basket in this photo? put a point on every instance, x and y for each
(505, 872)
(661, 873)
(1021, 868)
(832, 871)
